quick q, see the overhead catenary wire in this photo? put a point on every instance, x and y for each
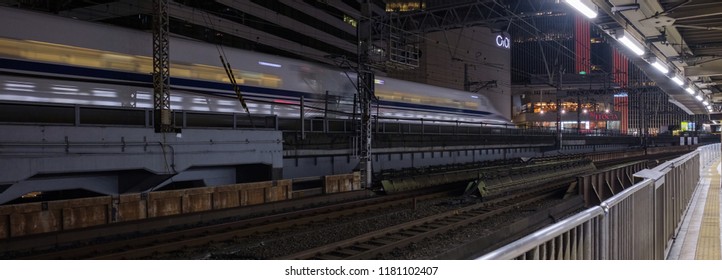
(229, 72)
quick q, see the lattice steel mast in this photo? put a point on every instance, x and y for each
(365, 80)
(161, 68)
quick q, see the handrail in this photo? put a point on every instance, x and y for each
(626, 193)
(611, 223)
(72, 115)
(528, 242)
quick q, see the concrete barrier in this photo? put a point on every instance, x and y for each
(31, 219)
(85, 212)
(342, 183)
(42, 217)
(129, 207)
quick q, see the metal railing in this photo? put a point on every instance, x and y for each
(638, 223)
(312, 120)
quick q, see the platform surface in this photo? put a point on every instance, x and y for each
(699, 236)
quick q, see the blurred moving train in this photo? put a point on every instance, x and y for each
(59, 60)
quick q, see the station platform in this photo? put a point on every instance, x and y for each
(699, 235)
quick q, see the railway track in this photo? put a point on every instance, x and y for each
(147, 245)
(370, 245)
(363, 246)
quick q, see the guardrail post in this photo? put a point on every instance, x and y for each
(185, 119)
(148, 116)
(77, 115)
(604, 233)
(658, 206)
(303, 122)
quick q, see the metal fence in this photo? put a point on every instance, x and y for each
(637, 223)
(311, 120)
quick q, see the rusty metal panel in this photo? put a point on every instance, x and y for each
(287, 186)
(35, 222)
(252, 196)
(226, 197)
(164, 203)
(275, 194)
(342, 182)
(345, 183)
(21, 208)
(330, 184)
(253, 193)
(84, 216)
(4, 226)
(81, 202)
(131, 210)
(134, 197)
(356, 181)
(197, 202)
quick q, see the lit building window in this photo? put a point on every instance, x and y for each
(404, 6)
(349, 20)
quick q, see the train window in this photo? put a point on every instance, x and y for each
(180, 72)
(85, 61)
(143, 68)
(270, 81)
(56, 53)
(412, 98)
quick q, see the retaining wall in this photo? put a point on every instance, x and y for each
(42, 217)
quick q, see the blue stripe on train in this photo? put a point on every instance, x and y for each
(135, 79)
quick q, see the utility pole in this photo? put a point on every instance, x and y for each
(559, 109)
(365, 80)
(161, 68)
(579, 111)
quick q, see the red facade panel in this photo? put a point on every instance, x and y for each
(582, 43)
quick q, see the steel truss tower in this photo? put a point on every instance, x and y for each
(161, 68)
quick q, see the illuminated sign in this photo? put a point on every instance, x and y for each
(603, 116)
(503, 41)
(687, 126)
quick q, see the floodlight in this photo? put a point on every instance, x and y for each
(586, 8)
(629, 42)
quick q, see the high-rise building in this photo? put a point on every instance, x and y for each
(305, 29)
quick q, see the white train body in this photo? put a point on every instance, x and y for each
(60, 60)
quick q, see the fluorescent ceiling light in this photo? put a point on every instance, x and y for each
(689, 90)
(699, 97)
(661, 67)
(677, 81)
(705, 103)
(629, 42)
(583, 8)
(269, 64)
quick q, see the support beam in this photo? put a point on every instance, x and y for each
(708, 28)
(696, 11)
(161, 68)
(707, 69)
(109, 10)
(365, 81)
(452, 16)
